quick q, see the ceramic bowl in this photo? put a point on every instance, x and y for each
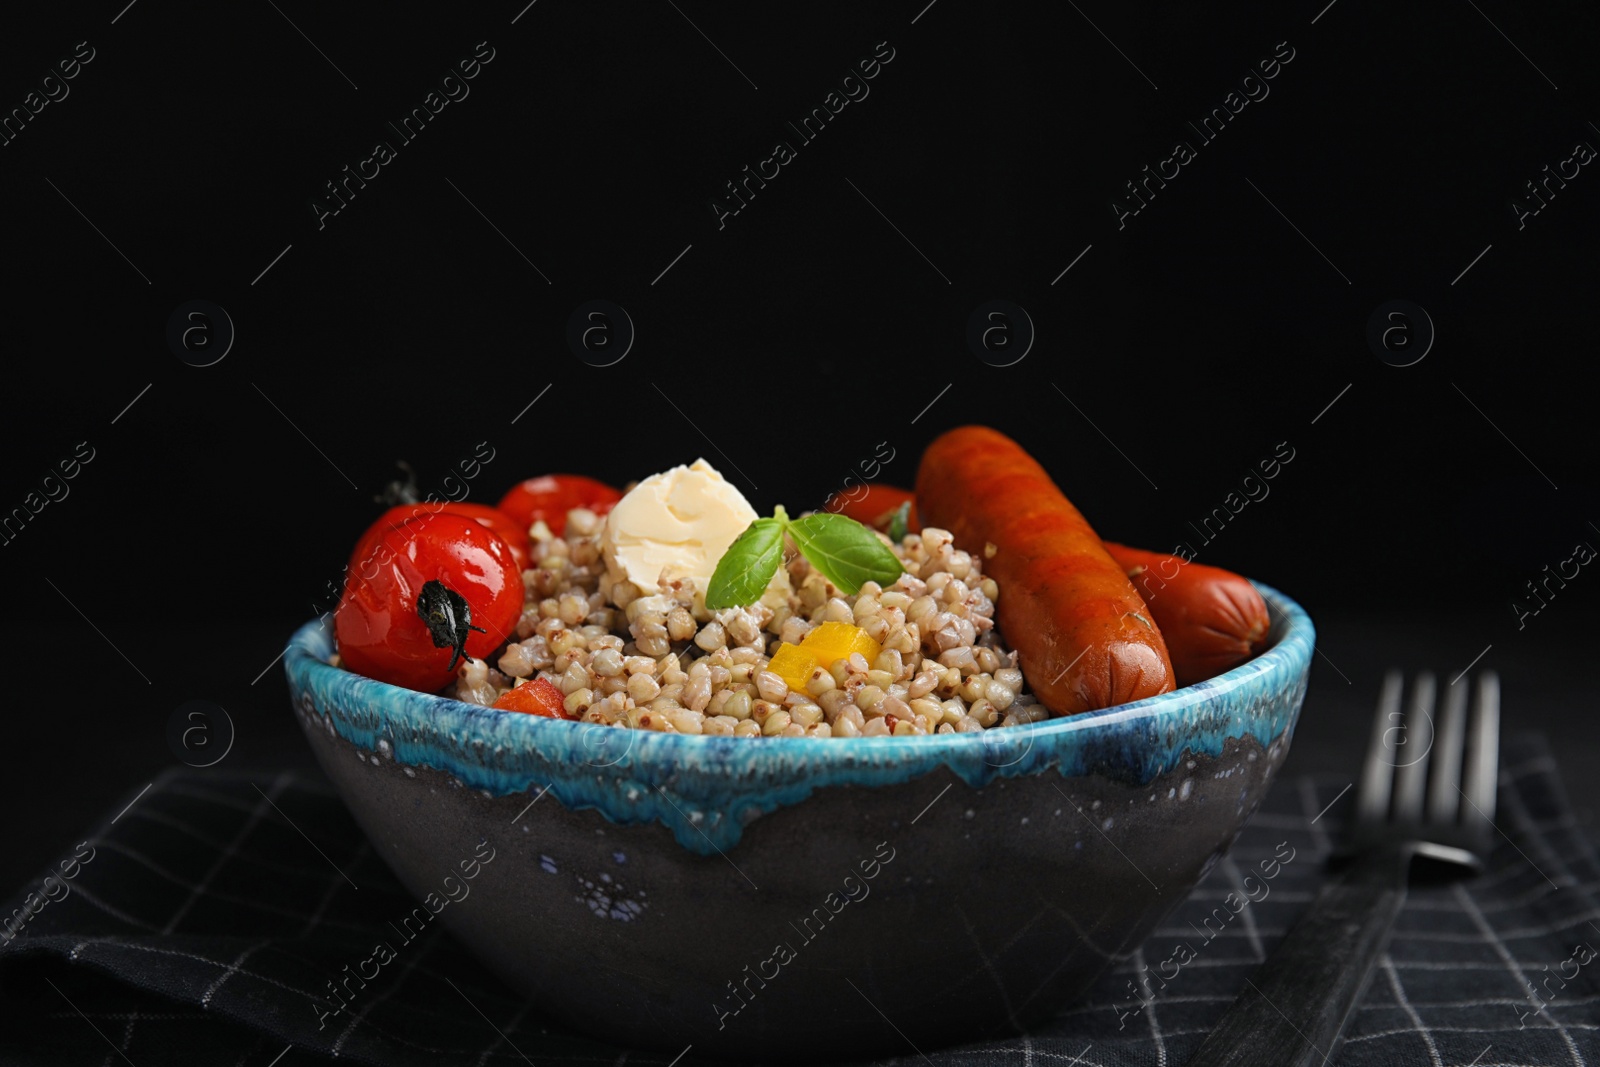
(801, 897)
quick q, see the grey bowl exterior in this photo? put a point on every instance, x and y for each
(802, 898)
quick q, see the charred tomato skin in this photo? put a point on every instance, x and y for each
(379, 630)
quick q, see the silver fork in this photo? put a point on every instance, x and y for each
(1294, 1010)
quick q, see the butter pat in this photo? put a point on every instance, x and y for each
(675, 525)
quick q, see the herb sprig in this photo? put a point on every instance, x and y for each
(844, 551)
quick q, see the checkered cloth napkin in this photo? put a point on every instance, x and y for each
(197, 926)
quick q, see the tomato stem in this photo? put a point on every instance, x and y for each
(448, 617)
(399, 492)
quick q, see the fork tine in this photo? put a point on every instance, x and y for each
(1444, 800)
(1483, 756)
(1416, 743)
(1377, 773)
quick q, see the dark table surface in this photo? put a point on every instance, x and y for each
(88, 757)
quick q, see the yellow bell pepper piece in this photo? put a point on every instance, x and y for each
(794, 665)
(837, 640)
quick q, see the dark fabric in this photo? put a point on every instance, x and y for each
(203, 926)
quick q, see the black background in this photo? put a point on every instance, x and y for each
(1224, 318)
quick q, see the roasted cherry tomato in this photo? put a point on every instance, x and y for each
(551, 496)
(516, 537)
(535, 697)
(441, 587)
(874, 504)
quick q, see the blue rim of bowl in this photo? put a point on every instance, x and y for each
(707, 789)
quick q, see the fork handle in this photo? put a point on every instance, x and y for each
(1293, 1012)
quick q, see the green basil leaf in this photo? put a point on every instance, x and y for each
(846, 552)
(745, 570)
(899, 521)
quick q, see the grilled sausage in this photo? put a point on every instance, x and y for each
(1212, 619)
(1084, 637)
